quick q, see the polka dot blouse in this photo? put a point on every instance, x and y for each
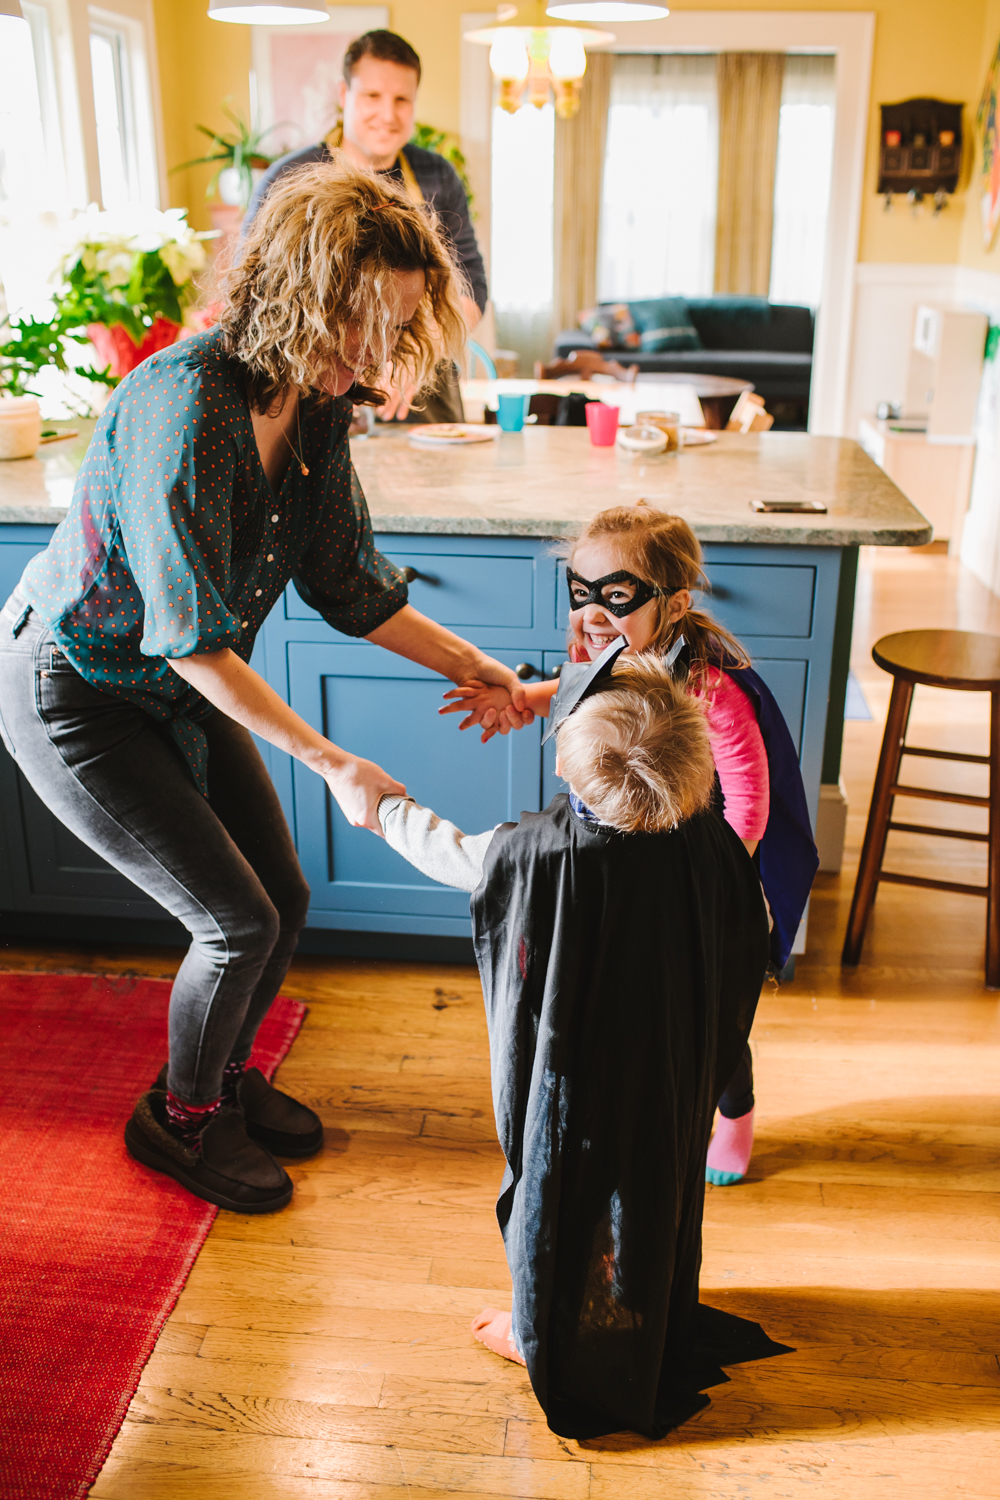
(175, 542)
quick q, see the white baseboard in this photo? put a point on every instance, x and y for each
(831, 826)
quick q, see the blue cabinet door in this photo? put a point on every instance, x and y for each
(385, 709)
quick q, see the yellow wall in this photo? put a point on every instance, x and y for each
(201, 63)
(922, 47)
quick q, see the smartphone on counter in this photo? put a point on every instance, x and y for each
(792, 507)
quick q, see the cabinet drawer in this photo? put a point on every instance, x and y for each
(753, 599)
(458, 590)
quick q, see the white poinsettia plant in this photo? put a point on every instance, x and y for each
(129, 266)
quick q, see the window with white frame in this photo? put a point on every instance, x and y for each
(123, 111)
(521, 218)
(33, 189)
(77, 125)
(660, 177)
(802, 178)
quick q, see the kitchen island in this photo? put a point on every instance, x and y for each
(475, 529)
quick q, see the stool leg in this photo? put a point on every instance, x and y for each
(873, 849)
(993, 878)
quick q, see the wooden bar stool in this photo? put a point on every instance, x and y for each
(966, 663)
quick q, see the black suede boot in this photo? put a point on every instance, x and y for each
(229, 1170)
(274, 1120)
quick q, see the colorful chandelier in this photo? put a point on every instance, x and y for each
(538, 53)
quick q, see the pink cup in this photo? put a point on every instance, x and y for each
(603, 423)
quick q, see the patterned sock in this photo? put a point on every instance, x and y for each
(186, 1121)
(231, 1076)
(729, 1153)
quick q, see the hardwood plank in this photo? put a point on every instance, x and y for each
(455, 1357)
(246, 1260)
(181, 1336)
(201, 1410)
(149, 1480)
(288, 1379)
(232, 1456)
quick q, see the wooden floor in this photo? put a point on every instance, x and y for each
(325, 1352)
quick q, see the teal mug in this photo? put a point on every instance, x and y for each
(511, 411)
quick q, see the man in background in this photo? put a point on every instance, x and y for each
(377, 97)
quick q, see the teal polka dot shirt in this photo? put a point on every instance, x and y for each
(175, 542)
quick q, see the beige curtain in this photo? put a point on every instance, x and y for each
(579, 169)
(749, 106)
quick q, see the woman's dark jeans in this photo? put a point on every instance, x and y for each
(225, 867)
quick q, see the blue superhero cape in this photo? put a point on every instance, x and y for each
(786, 856)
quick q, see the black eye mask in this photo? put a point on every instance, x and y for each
(643, 592)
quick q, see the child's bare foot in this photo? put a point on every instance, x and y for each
(492, 1328)
(730, 1150)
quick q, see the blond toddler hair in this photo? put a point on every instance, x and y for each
(638, 754)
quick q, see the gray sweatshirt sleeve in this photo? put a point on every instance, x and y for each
(436, 848)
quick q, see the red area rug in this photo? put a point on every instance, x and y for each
(94, 1248)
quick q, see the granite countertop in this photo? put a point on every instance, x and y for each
(38, 490)
(544, 481)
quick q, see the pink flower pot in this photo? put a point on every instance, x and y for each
(116, 347)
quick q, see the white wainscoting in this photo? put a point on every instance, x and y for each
(885, 300)
(980, 546)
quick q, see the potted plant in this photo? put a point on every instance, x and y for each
(432, 139)
(236, 157)
(127, 279)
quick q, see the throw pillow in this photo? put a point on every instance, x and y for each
(610, 326)
(664, 324)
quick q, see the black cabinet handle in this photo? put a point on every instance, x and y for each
(524, 670)
(411, 573)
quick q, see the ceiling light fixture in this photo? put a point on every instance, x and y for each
(598, 11)
(274, 13)
(535, 58)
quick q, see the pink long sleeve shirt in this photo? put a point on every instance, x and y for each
(737, 749)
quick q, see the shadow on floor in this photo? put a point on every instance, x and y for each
(867, 1364)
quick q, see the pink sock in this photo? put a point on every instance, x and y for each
(492, 1328)
(187, 1121)
(730, 1150)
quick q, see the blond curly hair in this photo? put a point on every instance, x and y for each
(638, 754)
(317, 269)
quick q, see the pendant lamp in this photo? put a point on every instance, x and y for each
(535, 57)
(594, 12)
(273, 13)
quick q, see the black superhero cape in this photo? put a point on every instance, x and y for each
(621, 973)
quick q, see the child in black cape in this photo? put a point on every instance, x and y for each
(622, 942)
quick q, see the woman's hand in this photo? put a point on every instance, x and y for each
(358, 786)
(490, 707)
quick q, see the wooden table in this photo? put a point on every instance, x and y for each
(654, 394)
(718, 394)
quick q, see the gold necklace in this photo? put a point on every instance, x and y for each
(298, 455)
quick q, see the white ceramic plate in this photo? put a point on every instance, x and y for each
(697, 437)
(452, 433)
